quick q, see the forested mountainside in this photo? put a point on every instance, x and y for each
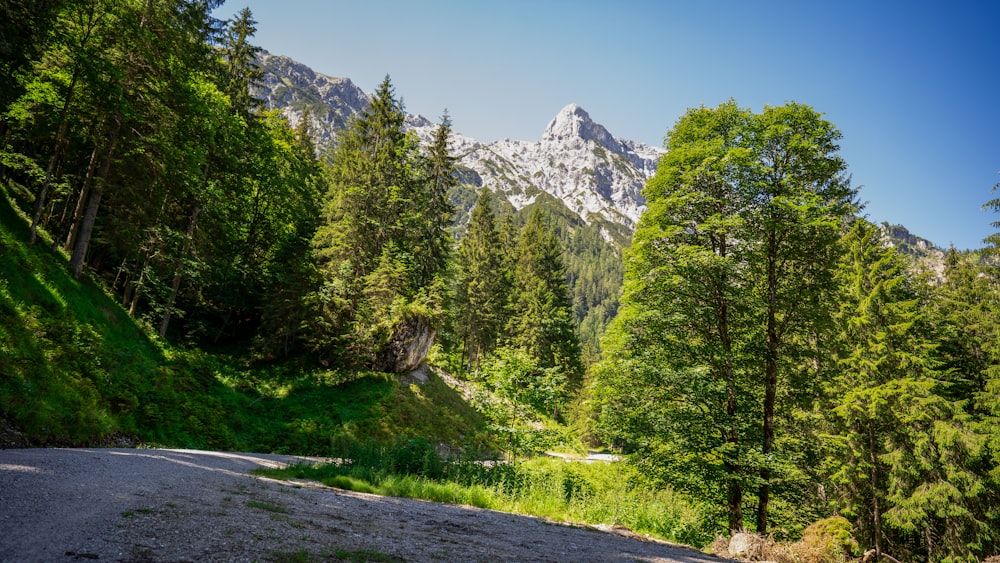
(186, 266)
(587, 181)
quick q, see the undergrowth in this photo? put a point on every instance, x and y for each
(591, 493)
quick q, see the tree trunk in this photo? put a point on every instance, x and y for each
(730, 433)
(36, 216)
(93, 203)
(81, 201)
(876, 508)
(735, 486)
(60, 143)
(176, 284)
(734, 498)
(770, 383)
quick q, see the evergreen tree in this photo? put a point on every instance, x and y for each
(965, 305)
(24, 32)
(541, 321)
(482, 284)
(439, 180)
(376, 237)
(903, 451)
(304, 134)
(240, 69)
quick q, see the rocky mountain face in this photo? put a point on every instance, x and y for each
(597, 176)
(293, 87)
(577, 160)
(923, 253)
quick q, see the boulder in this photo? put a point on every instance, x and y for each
(746, 546)
(408, 345)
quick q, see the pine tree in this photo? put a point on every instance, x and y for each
(381, 230)
(964, 307)
(240, 69)
(541, 321)
(482, 284)
(439, 179)
(904, 451)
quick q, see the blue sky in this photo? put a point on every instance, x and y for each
(912, 85)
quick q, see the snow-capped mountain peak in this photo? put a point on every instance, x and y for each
(596, 175)
(577, 160)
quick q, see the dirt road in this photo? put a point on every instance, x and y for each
(177, 505)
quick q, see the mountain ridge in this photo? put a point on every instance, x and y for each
(596, 175)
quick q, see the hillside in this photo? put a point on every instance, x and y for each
(77, 370)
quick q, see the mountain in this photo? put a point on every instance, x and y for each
(293, 87)
(924, 254)
(596, 175)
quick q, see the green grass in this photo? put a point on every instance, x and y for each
(589, 493)
(74, 368)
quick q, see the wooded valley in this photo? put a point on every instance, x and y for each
(181, 266)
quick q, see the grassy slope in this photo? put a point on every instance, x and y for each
(75, 368)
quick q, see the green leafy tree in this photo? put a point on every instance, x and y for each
(727, 284)
(684, 325)
(24, 32)
(801, 199)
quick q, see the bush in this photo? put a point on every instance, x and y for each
(832, 537)
(828, 540)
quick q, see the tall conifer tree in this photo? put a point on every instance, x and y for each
(903, 451)
(381, 241)
(541, 321)
(482, 288)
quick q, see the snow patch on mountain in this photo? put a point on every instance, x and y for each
(577, 160)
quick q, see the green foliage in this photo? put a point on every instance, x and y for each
(144, 155)
(483, 284)
(541, 321)
(595, 493)
(516, 375)
(832, 535)
(745, 363)
(382, 241)
(76, 368)
(906, 455)
(728, 283)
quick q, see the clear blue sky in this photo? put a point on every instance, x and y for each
(912, 85)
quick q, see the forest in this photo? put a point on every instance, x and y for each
(182, 266)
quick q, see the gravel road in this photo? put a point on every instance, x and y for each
(182, 505)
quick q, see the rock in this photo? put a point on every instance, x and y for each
(746, 546)
(408, 346)
(419, 376)
(10, 436)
